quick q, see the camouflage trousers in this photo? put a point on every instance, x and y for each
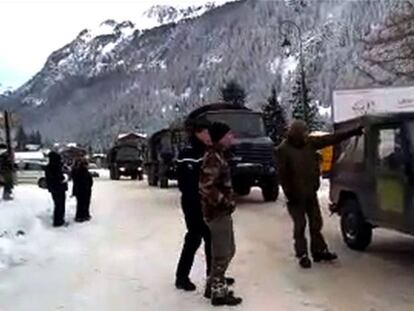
(223, 250)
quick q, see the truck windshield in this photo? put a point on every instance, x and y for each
(242, 124)
(127, 154)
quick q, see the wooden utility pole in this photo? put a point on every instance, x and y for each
(7, 130)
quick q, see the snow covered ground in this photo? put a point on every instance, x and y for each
(126, 257)
(25, 225)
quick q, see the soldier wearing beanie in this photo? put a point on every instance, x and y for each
(218, 205)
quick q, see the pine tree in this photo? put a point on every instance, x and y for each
(274, 118)
(38, 138)
(21, 138)
(303, 108)
(234, 93)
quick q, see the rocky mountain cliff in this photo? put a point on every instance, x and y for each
(119, 77)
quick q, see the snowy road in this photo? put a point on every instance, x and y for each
(125, 260)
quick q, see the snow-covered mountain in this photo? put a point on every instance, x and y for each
(122, 76)
(5, 90)
(164, 14)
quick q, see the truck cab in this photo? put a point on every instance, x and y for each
(372, 179)
(251, 157)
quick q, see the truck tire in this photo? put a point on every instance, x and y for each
(117, 174)
(112, 173)
(134, 176)
(164, 182)
(42, 183)
(242, 190)
(140, 176)
(356, 231)
(152, 178)
(270, 190)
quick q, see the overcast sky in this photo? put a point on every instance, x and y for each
(31, 29)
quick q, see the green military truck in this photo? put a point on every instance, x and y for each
(163, 148)
(125, 158)
(251, 157)
(372, 178)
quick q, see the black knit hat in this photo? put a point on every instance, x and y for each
(218, 130)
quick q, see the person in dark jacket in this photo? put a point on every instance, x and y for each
(189, 162)
(82, 189)
(57, 186)
(299, 171)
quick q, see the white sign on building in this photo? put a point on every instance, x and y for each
(349, 104)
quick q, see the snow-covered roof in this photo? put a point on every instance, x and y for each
(140, 135)
(29, 155)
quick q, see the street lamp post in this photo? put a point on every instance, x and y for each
(284, 25)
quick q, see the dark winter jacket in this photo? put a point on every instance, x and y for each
(215, 185)
(55, 178)
(188, 170)
(298, 162)
(82, 181)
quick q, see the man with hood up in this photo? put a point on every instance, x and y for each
(57, 186)
(299, 172)
(189, 163)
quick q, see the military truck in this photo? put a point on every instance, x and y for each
(372, 179)
(125, 158)
(163, 148)
(251, 157)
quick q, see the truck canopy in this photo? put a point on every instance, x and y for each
(214, 107)
(351, 104)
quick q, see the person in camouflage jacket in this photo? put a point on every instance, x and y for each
(218, 205)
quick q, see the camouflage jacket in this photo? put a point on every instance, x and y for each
(215, 186)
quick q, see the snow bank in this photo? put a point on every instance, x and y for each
(25, 225)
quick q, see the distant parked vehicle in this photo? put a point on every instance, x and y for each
(93, 170)
(31, 172)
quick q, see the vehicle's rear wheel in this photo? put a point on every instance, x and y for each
(164, 182)
(152, 177)
(140, 176)
(42, 183)
(356, 231)
(270, 190)
(114, 173)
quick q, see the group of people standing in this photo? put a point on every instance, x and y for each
(57, 178)
(208, 203)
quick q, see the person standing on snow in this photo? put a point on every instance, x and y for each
(218, 205)
(82, 189)
(188, 171)
(57, 186)
(299, 172)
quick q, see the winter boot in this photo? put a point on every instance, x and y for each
(305, 262)
(185, 284)
(207, 291)
(228, 300)
(324, 256)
